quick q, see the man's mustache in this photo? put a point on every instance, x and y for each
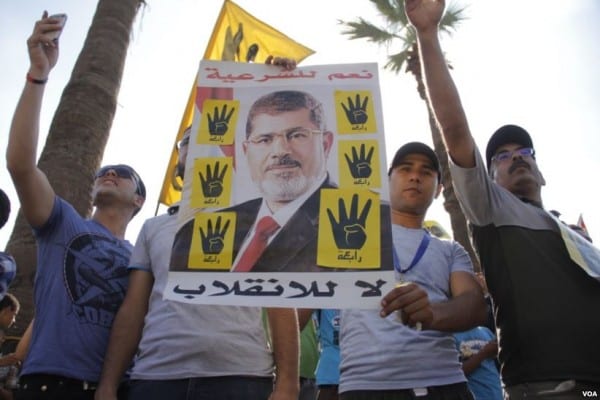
(285, 161)
(517, 164)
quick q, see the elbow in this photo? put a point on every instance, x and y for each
(14, 166)
(480, 313)
(17, 167)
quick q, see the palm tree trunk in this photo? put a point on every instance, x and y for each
(78, 133)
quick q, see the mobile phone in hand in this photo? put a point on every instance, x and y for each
(54, 35)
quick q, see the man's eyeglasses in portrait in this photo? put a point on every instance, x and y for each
(293, 136)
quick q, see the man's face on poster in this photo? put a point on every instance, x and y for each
(286, 154)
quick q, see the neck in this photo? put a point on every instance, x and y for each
(274, 206)
(115, 220)
(533, 200)
(407, 220)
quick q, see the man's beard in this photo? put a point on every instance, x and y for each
(285, 186)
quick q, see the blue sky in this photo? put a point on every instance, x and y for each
(534, 63)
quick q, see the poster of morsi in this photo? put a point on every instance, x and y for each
(285, 201)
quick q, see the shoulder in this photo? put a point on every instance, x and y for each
(456, 255)
(158, 221)
(447, 245)
(62, 211)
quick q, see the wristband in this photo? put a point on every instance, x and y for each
(36, 81)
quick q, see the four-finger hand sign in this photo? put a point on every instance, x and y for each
(350, 231)
(360, 165)
(213, 239)
(218, 124)
(212, 185)
(356, 112)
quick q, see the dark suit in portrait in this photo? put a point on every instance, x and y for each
(294, 248)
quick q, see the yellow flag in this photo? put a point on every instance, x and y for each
(436, 229)
(237, 36)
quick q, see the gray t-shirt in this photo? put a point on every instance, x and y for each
(545, 305)
(185, 340)
(384, 354)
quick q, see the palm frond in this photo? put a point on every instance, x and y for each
(452, 18)
(363, 29)
(398, 28)
(392, 11)
(396, 61)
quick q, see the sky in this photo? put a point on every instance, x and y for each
(533, 63)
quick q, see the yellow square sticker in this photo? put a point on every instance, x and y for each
(212, 241)
(211, 182)
(358, 162)
(354, 112)
(218, 122)
(349, 234)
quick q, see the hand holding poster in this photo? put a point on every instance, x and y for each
(285, 201)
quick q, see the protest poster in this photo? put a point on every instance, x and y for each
(285, 201)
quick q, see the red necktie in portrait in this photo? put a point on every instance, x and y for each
(265, 228)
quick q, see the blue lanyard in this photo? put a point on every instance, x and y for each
(418, 255)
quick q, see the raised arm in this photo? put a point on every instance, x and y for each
(35, 193)
(125, 334)
(286, 349)
(442, 94)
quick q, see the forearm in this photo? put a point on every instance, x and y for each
(460, 313)
(23, 138)
(304, 316)
(23, 345)
(286, 348)
(7, 360)
(472, 363)
(125, 337)
(444, 99)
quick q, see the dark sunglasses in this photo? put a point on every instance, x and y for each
(122, 171)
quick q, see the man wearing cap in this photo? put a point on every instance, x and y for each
(546, 302)
(183, 350)
(81, 275)
(407, 350)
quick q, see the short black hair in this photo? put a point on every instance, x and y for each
(11, 301)
(4, 208)
(284, 101)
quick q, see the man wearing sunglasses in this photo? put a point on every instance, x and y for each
(183, 350)
(81, 274)
(545, 301)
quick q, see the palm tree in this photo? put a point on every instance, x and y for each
(399, 30)
(78, 132)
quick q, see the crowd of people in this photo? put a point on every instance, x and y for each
(102, 329)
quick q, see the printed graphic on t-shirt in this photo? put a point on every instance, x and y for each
(95, 273)
(471, 347)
